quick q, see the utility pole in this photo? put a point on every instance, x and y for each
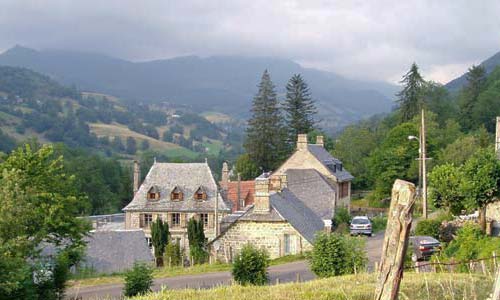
(497, 138)
(424, 168)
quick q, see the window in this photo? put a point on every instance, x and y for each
(149, 241)
(151, 196)
(147, 219)
(176, 194)
(204, 219)
(344, 189)
(176, 220)
(200, 194)
(154, 193)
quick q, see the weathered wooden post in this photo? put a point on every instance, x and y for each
(395, 240)
(496, 288)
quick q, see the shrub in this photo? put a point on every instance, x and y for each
(335, 254)
(173, 254)
(342, 216)
(428, 227)
(250, 266)
(139, 280)
(379, 223)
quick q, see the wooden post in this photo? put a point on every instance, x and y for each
(277, 280)
(298, 277)
(494, 260)
(496, 288)
(395, 240)
(424, 169)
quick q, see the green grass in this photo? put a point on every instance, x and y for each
(441, 286)
(87, 278)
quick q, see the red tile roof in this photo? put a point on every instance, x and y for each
(247, 191)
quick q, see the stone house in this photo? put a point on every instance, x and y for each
(176, 192)
(278, 222)
(317, 165)
(239, 193)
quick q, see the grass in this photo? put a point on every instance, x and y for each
(90, 279)
(442, 286)
(216, 117)
(112, 130)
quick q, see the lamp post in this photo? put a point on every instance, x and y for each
(422, 170)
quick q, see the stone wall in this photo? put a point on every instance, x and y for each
(263, 235)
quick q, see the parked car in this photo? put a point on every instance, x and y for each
(361, 225)
(423, 247)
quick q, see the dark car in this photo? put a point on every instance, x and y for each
(361, 225)
(423, 247)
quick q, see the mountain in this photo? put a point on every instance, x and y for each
(489, 66)
(220, 83)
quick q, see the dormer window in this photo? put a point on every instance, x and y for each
(154, 193)
(200, 194)
(176, 194)
(340, 167)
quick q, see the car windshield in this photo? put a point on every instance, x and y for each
(360, 221)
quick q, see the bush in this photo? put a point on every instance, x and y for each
(429, 227)
(250, 266)
(379, 223)
(335, 254)
(173, 254)
(342, 216)
(139, 280)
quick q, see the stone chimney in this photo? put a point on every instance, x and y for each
(497, 138)
(319, 141)
(302, 141)
(261, 199)
(137, 176)
(225, 176)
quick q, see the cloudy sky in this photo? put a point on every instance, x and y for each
(358, 39)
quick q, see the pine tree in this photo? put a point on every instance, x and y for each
(197, 243)
(266, 140)
(410, 98)
(299, 108)
(160, 236)
(476, 79)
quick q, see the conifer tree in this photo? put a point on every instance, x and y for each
(160, 236)
(266, 141)
(410, 98)
(476, 79)
(299, 108)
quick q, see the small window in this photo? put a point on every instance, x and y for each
(200, 194)
(340, 167)
(152, 196)
(176, 194)
(147, 219)
(176, 220)
(154, 193)
(149, 241)
(204, 219)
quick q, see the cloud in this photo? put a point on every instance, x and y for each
(359, 39)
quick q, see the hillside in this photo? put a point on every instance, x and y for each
(489, 64)
(220, 83)
(34, 105)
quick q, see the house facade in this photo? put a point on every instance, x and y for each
(176, 192)
(314, 157)
(239, 193)
(278, 222)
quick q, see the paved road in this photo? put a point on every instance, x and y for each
(286, 273)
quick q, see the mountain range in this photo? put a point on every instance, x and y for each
(489, 64)
(220, 83)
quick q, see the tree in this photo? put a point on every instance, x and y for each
(299, 108)
(160, 237)
(117, 144)
(410, 97)
(144, 145)
(250, 266)
(446, 182)
(476, 79)
(266, 140)
(138, 281)
(131, 145)
(38, 204)
(246, 167)
(197, 242)
(482, 173)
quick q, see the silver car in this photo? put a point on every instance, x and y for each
(361, 225)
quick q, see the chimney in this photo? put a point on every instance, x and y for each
(137, 176)
(225, 175)
(302, 141)
(261, 199)
(319, 141)
(497, 138)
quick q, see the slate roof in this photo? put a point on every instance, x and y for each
(329, 161)
(313, 189)
(115, 251)
(285, 207)
(188, 177)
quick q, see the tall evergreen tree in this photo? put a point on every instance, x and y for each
(266, 140)
(410, 98)
(299, 108)
(476, 79)
(160, 236)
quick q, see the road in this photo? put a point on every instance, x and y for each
(286, 273)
